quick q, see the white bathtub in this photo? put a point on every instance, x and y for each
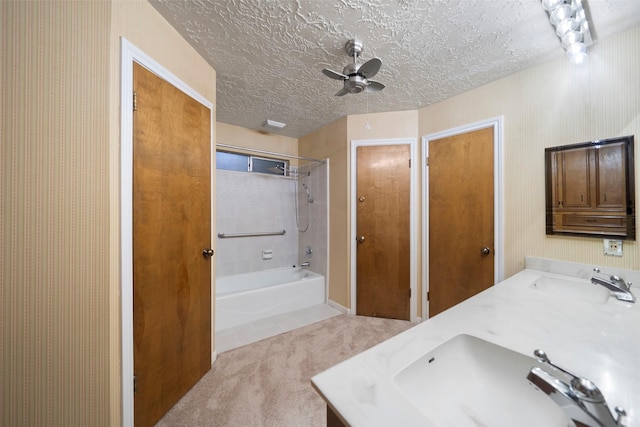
(245, 298)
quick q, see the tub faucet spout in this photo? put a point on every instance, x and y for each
(305, 264)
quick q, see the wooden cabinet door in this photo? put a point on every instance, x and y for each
(575, 170)
(610, 188)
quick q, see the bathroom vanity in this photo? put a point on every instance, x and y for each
(468, 366)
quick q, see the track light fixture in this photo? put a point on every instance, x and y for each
(569, 19)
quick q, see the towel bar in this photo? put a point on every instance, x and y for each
(263, 233)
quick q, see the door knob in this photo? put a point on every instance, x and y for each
(485, 251)
(360, 239)
(207, 252)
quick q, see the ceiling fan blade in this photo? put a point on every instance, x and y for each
(334, 74)
(370, 68)
(374, 86)
(342, 92)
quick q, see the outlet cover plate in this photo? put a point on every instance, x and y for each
(612, 247)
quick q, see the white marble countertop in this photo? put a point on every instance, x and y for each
(598, 342)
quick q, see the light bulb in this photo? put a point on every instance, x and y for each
(571, 38)
(560, 13)
(549, 5)
(565, 26)
(577, 53)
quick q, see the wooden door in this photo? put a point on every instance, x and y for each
(171, 227)
(461, 219)
(383, 186)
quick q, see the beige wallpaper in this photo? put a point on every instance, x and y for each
(60, 201)
(55, 213)
(555, 103)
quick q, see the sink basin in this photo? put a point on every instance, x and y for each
(467, 381)
(577, 290)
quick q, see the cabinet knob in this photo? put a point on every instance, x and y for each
(485, 251)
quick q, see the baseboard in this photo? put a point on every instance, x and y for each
(214, 356)
(339, 307)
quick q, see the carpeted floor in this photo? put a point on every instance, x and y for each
(269, 383)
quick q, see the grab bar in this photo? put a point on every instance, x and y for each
(263, 233)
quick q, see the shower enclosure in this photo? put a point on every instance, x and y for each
(271, 217)
(294, 200)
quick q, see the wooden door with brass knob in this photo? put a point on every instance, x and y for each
(383, 185)
(171, 245)
(461, 218)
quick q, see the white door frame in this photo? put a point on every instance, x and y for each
(128, 55)
(413, 245)
(497, 124)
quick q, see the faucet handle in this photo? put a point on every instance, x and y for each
(621, 413)
(616, 278)
(543, 358)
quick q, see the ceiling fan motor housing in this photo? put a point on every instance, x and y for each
(355, 84)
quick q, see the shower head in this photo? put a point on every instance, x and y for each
(309, 198)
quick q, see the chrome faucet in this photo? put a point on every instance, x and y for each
(578, 397)
(305, 264)
(617, 285)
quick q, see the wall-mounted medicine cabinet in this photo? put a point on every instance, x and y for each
(590, 189)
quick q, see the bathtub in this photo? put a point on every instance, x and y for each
(245, 298)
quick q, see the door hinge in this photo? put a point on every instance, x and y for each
(409, 163)
(427, 295)
(426, 159)
(135, 384)
(409, 292)
(135, 101)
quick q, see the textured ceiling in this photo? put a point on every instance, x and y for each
(269, 54)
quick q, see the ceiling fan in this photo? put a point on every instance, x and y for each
(356, 76)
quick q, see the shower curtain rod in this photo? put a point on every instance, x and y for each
(271, 153)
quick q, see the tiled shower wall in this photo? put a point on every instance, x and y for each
(252, 202)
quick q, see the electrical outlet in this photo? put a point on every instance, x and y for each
(612, 247)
